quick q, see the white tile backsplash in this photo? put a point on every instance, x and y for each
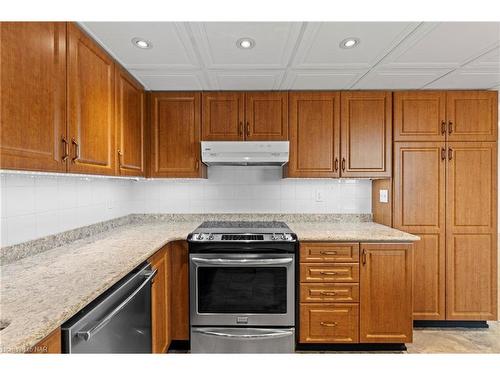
(33, 205)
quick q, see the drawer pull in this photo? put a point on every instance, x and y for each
(328, 273)
(328, 293)
(328, 252)
(329, 324)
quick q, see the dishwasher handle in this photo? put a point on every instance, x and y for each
(87, 334)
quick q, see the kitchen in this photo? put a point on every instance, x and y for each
(249, 187)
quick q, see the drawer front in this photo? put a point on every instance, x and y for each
(325, 252)
(331, 292)
(320, 273)
(329, 323)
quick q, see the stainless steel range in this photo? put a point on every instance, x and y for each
(242, 287)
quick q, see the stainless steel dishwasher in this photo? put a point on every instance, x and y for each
(118, 321)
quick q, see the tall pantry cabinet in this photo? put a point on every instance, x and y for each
(445, 191)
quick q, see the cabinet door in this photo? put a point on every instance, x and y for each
(90, 105)
(472, 232)
(420, 116)
(130, 106)
(266, 116)
(175, 138)
(420, 208)
(179, 266)
(33, 95)
(366, 134)
(314, 134)
(159, 303)
(386, 293)
(472, 115)
(223, 116)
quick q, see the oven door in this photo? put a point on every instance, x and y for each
(242, 289)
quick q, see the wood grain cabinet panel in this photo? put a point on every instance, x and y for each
(179, 271)
(91, 100)
(329, 272)
(472, 231)
(160, 304)
(175, 135)
(325, 252)
(49, 345)
(329, 323)
(266, 116)
(420, 116)
(329, 292)
(130, 120)
(386, 293)
(223, 116)
(33, 95)
(366, 134)
(420, 208)
(314, 134)
(472, 115)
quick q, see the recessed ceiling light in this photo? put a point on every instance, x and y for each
(245, 43)
(142, 43)
(349, 43)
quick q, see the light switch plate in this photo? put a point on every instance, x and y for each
(384, 196)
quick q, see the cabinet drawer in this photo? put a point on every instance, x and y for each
(329, 292)
(325, 252)
(329, 323)
(320, 273)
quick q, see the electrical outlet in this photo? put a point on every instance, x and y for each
(320, 196)
(384, 196)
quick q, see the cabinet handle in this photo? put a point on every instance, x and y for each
(77, 150)
(343, 164)
(336, 164)
(328, 293)
(329, 324)
(324, 252)
(327, 273)
(241, 129)
(196, 164)
(450, 127)
(363, 257)
(120, 154)
(450, 153)
(248, 129)
(66, 148)
(443, 127)
(443, 153)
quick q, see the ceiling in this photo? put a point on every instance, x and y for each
(306, 55)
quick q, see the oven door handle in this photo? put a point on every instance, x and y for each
(247, 336)
(240, 262)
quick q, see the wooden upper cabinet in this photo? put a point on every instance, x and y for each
(366, 134)
(223, 116)
(420, 208)
(91, 100)
(130, 107)
(386, 293)
(472, 231)
(420, 116)
(314, 134)
(266, 115)
(33, 95)
(472, 115)
(175, 134)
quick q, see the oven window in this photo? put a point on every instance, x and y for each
(242, 290)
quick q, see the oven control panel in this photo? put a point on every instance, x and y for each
(242, 237)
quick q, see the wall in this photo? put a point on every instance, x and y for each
(34, 205)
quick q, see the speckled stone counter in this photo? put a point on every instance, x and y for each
(40, 292)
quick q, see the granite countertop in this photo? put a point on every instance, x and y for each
(40, 292)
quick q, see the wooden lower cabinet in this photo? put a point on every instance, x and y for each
(179, 277)
(160, 302)
(329, 323)
(329, 292)
(49, 345)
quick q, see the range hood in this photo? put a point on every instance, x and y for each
(250, 153)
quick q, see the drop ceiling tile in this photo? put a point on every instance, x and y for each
(247, 80)
(172, 81)
(445, 45)
(467, 79)
(171, 45)
(398, 79)
(489, 61)
(320, 80)
(320, 45)
(274, 44)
